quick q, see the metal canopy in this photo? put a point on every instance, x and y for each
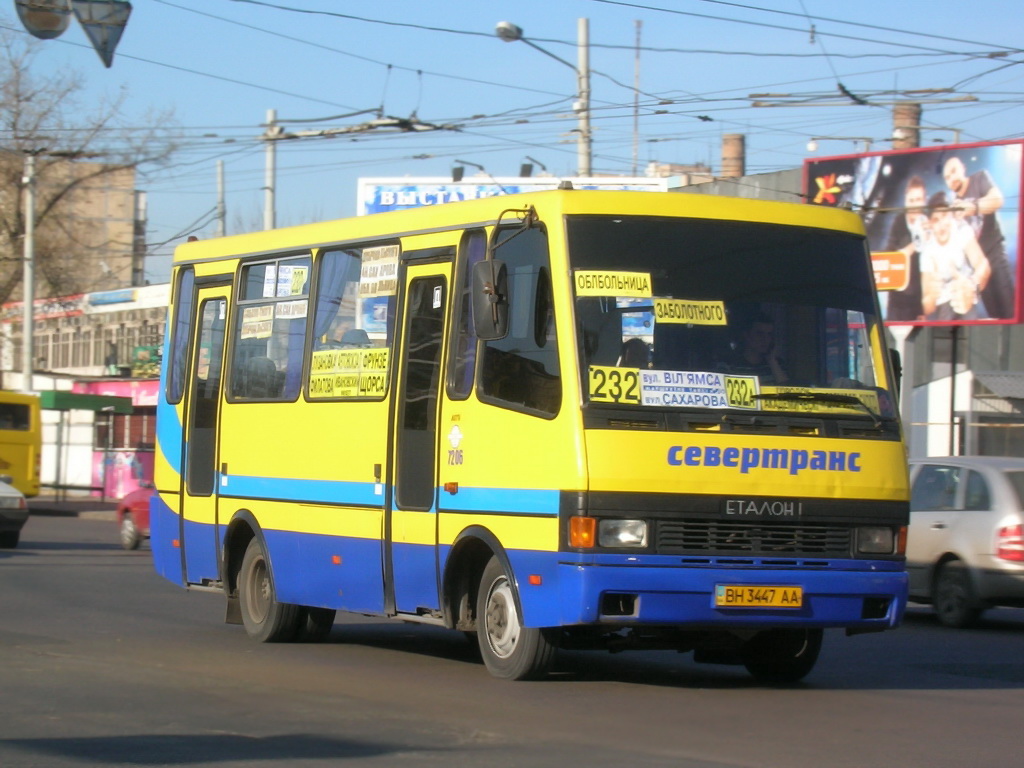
(73, 401)
(1006, 384)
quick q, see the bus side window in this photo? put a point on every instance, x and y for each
(177, 366)
(521, 371)
(463, 350)
(270, 330)
(344, 319)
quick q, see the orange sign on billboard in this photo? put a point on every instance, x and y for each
(892, 270)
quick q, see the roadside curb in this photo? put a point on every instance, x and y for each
(75, 507)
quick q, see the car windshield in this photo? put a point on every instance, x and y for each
(701, 313)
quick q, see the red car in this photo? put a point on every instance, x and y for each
(133, 517)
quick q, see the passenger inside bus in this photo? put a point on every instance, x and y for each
(261, 378)
(635, 354)
(754, 353)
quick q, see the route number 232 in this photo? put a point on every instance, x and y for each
(614, 385)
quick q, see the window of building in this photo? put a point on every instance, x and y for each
(125, 431)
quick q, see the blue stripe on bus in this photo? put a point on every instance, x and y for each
(168, 434)
(521, 500)
(515, 500)
(291, 489)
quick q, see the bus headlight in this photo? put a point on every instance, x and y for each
(875, 540)
(622, 533)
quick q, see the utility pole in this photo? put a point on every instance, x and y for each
(509, 32)
(273, 132)
(583, 105)
(28, 278)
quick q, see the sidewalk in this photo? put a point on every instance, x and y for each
(72, 506)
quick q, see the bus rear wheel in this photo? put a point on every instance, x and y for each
(314, 624)
(265, 619)
(509, 650)
(782, 656)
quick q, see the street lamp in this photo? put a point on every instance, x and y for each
(526, 169)
(459, 171)
(509, 32)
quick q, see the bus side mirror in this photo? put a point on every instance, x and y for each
(490, 300)
(896, 363)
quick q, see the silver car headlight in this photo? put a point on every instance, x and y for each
(622, 533)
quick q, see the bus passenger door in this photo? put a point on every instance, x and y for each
(198, 514)
(410, 524)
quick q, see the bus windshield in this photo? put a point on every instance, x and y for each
(702, 313)
(20, 440)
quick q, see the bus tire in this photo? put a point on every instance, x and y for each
(510, 651)
(315, 624)
(265, 619)
(781, 656)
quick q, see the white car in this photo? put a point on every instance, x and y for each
(965, 544)
(13, 514)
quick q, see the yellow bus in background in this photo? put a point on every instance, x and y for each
(20, 440)
(537, 419)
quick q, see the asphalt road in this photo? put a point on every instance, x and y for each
(102, 663)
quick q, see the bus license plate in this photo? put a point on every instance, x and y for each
(759, 596)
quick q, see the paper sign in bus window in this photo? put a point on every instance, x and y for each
(609, 384)
(291, 309)
(257, 322)
(378, 274)
(689, 312)
(291, 280)
(867, 400)
(349, 373)
(596, 282)
(270, 281)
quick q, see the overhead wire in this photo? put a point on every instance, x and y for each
(476, 124)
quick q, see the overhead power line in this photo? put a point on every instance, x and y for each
(765, 25)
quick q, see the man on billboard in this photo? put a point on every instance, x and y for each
(954, 269)
(908, 235)
(976, 200)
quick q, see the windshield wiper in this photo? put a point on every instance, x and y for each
(824, 397)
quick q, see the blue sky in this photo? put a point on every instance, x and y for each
(221, 64)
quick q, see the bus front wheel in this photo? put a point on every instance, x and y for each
(782, 655)
(509, 650)
(265, 619)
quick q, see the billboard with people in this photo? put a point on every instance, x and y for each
(943, 225)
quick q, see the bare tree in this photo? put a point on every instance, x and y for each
(86, 166)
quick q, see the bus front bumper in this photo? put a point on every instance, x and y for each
(868, 596)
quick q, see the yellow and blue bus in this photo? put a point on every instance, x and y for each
(20, 440)
(569, 419)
